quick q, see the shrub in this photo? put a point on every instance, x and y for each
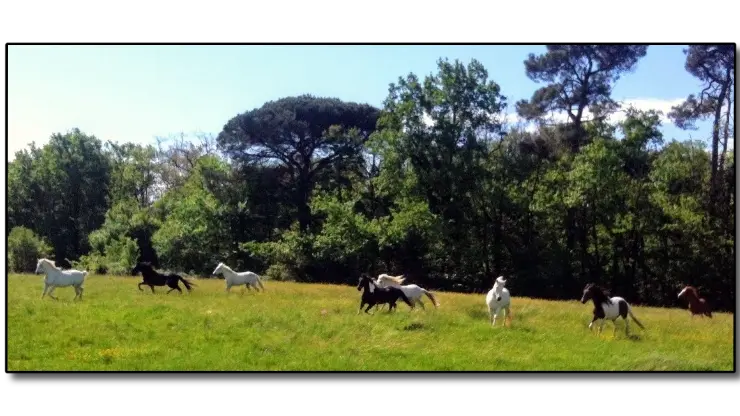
(24, 250)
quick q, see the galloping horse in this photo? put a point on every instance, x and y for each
(373, 294)
(498, 298)
(55, 277)
(697, 304)
(153, 278)
(608, 308)
(413, 292)
(233, 278)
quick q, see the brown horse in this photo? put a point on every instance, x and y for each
(697, 305)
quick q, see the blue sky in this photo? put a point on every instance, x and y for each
(135, 93)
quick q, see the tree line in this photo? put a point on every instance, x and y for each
(437, 185)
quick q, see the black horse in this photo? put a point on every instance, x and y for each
(374, 295)
(153, 278)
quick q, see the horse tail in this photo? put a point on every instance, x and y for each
(431, 297)
(405, 298)
(188, 284)
(634, 318)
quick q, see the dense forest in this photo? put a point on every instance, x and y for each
(437, 185)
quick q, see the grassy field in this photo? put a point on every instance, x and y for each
(306, 327)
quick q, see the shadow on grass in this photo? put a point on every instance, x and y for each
(413, 326)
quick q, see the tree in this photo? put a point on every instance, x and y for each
(61, 191)
(433, 143)
(714, 65)
(579, 77)
(304, 134)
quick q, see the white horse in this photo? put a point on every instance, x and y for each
(56, 277)
(248, 279)
(413, 292)
(498, 298)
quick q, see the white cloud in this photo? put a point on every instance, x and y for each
(644, 104)
(662, 105)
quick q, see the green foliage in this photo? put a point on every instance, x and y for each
(279, 272)
(117, 257)
(191, 235)
(24, 250)
(434, 186)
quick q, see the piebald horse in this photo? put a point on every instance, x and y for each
(413, 292)
(55, 277)
(497, 299)
(233, 278)
(697, 304)
(608, 308)
(373, 295)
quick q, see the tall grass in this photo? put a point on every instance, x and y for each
(308, 327)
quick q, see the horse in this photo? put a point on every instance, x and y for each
(413, 292)
(153, 278)
(608, 308)
(497, 299)
(55, 277)
(373, 294)
(697, 304)
(233, 278)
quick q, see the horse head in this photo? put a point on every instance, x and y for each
(587, 293)
(218, 269)
(38, 265)
(691, 292)
(362, 282)
(498, 287)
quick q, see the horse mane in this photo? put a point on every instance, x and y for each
(398, 279)
(693, 290)
(599, 294)
(51, 262)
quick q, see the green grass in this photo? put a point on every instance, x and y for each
(309, 327)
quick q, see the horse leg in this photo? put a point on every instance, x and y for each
(45, 289)
(495, 315)
(420, 303)
(601, 327)
(152, 288)
(592, 323)
(168, 292)
(362, 303)
(626, 327)
(52, 291)
(81, 290)
(228, 287)
(369, 306)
